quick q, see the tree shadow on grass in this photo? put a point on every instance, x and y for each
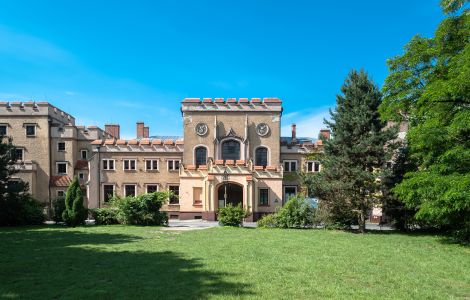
(62, 264)
(442, 237)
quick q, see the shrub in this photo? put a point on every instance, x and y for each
(105, 216)
(231, 215)
(141, 210)
(75, 213)
(58, 206)
(296, 213)
(21, 210)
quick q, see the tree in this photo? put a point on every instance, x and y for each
(429, 87)
(74, 213)
(16, 206)
(348, 186)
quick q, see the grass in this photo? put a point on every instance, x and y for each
(119, 262)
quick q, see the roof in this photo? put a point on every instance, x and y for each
(154, 140)
(232, 100)
(60, 181)
(300, 140)
(81, 165)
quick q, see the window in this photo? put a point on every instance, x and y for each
(130, 190)
(81, 176)
(231, 150)
(290, 165)
(108, 164)
(152, 188)
(3, 129)
(197, 195)
(175, 189)
(84, 154)
(173, 164)
(151, 164)
(201, 156)
(261, 156)
(19, 153)
(108, 192)
(61, 146)
(61, 168)
(263, 197)
(313, 166)
(289, 191)
(30, 129)
(129, 164)
(60, 193)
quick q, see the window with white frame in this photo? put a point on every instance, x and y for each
(151, 188)
(129, 164)
(313, 166)
(290, 165)
(175, 193)
(108, 164)
(84, 154)
(61, 167)
(108, 192)
(3, 129)
(61, 146)
(19, 153)
(173, 164)
(151, 164)
(30, 129)
(130, 190)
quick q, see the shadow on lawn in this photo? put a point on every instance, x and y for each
(63, 264)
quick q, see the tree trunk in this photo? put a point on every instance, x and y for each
(362, 222)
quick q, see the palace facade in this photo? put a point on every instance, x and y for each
(231, 151)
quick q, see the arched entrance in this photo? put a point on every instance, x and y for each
(230, 193)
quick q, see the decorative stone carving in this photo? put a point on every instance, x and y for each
(262, 129)
(201, 129)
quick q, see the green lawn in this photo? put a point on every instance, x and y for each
(118, 262)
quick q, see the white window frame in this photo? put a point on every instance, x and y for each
(58, 191)
(129, 164)
(57, 167)
(26, 129)
(61, 142)
(313, 162)
(148, 184)
(178, 196)
(22, 153)
(107, 165)
(129, 184)
(81, 154)
(173, 160)
(6, 128)
(284, 191)
(290, 161)
(152, 160)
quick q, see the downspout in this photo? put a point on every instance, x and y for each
(49, 129)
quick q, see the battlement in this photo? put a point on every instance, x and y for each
(32, 108)
(231, 104)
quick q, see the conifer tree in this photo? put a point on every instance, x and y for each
(74, 213)
(347, 186)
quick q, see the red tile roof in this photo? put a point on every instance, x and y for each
(96, 142)
(81, 165)
(60, 181)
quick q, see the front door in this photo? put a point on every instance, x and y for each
(230, 193)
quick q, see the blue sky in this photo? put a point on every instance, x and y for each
(128, 61)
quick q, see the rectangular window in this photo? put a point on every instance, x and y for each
(108, 192)
(129, 164)
(19, 153)
(290, 165)
(81, 176)
(61, 146)
(30, 129)
(175, 189)
(151, 164)
(173, 164)
(84, 154)
(130, 190)
(197, 195)
(152, 188)
(289, 191)
(263, 197)
(60, 193)
(313, 166)
(3, 129)
(61, 168)
(108, 164)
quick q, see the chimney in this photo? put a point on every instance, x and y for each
(294, 133)
(140, 130)
(146, 132)
(113, 129)
(325, 134)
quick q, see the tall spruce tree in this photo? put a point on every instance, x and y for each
(74, 213)
(348, 185)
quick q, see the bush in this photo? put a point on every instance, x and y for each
(75, 213)
(231, 215)
(105, 216)
(296, 213)
(58, 206)
(22, 210)
(141, 210)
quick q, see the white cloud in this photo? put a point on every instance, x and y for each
(70, 93)
(308, 126)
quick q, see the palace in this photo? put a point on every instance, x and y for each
(231, 151)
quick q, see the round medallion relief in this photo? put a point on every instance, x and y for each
(262, 129)
(201, 129)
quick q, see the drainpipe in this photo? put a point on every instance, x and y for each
(99, 176)
(49, 129)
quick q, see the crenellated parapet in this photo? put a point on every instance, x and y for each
(31, 108)
(232, 104)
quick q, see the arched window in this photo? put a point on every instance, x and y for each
(231, 150)
(261, 156)
(201, 155)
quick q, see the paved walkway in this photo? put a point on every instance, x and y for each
(184, 225)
